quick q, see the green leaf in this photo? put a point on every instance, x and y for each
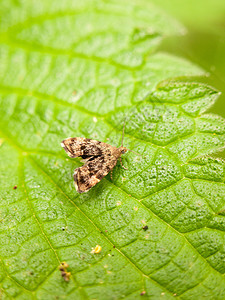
(80, 68)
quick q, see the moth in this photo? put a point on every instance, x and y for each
(100, 158)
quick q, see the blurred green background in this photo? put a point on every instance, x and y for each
(204, 41)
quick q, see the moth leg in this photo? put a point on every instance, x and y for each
(111, 172)
(122, 164)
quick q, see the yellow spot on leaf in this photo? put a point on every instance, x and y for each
(97, 249)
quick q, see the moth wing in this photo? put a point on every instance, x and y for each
(92, 172)
(79, 146)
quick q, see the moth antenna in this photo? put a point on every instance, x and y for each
(123, 132)
(134, 152)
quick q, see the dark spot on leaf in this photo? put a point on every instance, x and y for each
(15, 187)
(145, 227)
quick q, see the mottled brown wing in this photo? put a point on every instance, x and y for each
(85, 148)
(92, 172)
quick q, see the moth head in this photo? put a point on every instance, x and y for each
(123, 150)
